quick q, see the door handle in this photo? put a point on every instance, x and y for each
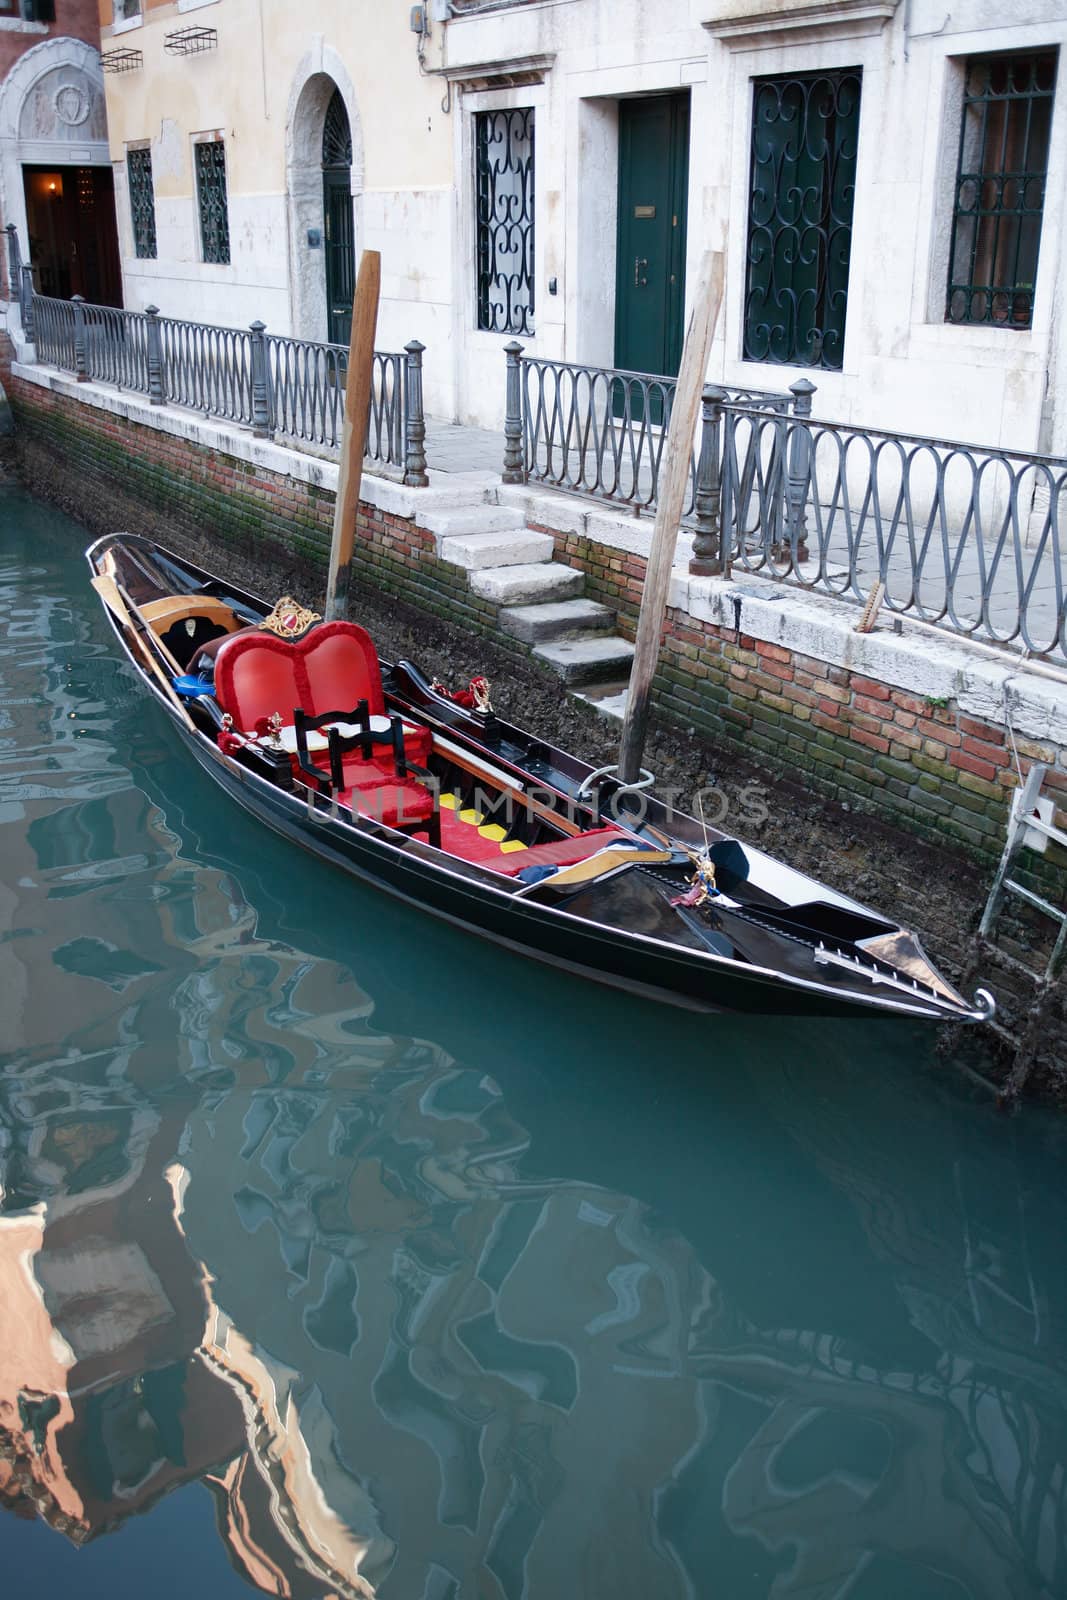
(639, 282)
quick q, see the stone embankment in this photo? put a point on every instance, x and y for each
(889, 759)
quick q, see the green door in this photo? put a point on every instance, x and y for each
(340, 255)
(653, 185)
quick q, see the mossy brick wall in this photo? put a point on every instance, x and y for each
(203, 501)
(929, 766)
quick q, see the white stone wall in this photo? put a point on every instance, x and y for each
(904, 367)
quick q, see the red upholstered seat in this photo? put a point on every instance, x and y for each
(560, 853)
(397, 804)
(332, 668)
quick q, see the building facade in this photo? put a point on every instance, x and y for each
(887, 183)
(55, 170)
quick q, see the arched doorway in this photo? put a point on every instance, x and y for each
(340, 243)
(324, 170)
(56, 181)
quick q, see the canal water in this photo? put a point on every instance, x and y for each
(342, 1255)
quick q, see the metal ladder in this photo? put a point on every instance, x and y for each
(1024, 820)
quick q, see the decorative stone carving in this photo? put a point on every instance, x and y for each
(72, 105)
(63, 105)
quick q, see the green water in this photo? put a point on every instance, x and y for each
(343, 1255)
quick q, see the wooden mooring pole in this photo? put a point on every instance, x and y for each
(672, 486)
(354, 432)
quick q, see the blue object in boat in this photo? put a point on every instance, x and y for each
(536, 874)
(189, 685)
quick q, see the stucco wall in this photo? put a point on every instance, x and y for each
(258, 89)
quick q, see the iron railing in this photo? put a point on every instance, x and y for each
(602, 431)
(208, 369)
(308, 390)
(292, 388)
(959, 535)
(53, 332)
(116, 347)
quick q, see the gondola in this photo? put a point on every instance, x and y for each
(435, 799)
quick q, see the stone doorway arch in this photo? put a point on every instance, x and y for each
(320, 77)
(52, 115)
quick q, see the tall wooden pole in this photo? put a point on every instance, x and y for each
(673, 482)
(354, 432)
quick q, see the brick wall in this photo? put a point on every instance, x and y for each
(924, 763)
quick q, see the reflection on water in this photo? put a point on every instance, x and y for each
(452, 1279)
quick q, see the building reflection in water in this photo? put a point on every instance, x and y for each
(421, 1338)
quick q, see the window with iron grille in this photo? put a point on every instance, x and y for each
(504, 174)
(142, 203)
(805, 134)
(1000, 188)
(211, 198)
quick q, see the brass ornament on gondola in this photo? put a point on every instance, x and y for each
(289, 619)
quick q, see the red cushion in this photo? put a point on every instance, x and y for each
(397, 805)
(332, 668)
(255, 675)
(341, 667)
(561, 852)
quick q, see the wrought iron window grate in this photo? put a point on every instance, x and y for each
(805, 133)
(142, 203)
(190, 41)
(1000, 188)
(336, 134)
(212, 200)
(504, 173)
(122, 60)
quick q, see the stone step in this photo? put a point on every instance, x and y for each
(449, 522)
(609, 699)
(514, 586)
(504, 549)
(587, 660)
(557, 619)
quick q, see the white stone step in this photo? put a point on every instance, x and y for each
(556, 619)
(610, 703)
(587, 660)
(449, 522)
(513, 586)
(504, 549)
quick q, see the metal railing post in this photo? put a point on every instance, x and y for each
(14, 262)
(727, 491)
(415, 474)
(155, 356)
(514, 454)
(262, 421)
(799, 471)
(81, 368)
(707, 503)
(26, 306)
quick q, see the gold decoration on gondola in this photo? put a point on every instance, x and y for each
(480, 691)
(289, 619)
(702, 884)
